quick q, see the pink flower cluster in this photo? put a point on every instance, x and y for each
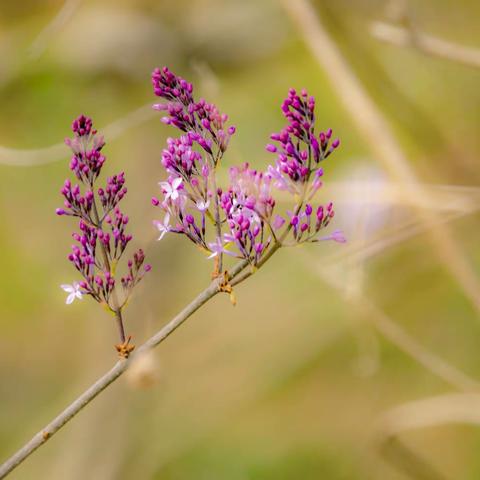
(102, 237)
(241, 220)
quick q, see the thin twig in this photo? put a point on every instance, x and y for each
(376, 131)
(459, 408)
(396, 335)
(115, 308)
(118, 369)
(427, 44)
(42, 156)
(45, 36)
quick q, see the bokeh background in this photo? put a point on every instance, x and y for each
(356, 361)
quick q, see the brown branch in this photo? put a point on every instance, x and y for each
(118, 369)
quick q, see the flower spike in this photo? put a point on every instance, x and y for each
(102, 238)
(244, 218)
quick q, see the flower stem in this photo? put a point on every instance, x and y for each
(116, 371)
(121, 329)
(218, 225)
(116, 309)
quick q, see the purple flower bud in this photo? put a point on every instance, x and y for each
(278, 222)
(82, 126)
(60, 211)
(271, 148)
(259, 248)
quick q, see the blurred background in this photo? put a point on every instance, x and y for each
(355, 361)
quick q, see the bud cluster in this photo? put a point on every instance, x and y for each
(242, 218)
(102, 238)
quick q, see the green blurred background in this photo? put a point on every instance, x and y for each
(293, 382)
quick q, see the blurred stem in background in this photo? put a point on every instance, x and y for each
(409, 36)
(379, 136)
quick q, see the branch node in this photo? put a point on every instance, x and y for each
(225, 287)
(216, 270)
(124, 349)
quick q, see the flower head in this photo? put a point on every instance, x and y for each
(163, 227)
(74, 291)
(216, 248)
(172, 188)
(243, 215)
(102, 237)
(299, 149)
(201, 120)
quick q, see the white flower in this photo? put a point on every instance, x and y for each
(163, 227)
(216, 248)
(171, 190)
(203, 206)
(73, 292)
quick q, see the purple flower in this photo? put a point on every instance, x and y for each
(198, 118)
(336, 236)
(300, 150)
(242, 215)
(278, 222)
(216, 248)
(82, 126)
(102, 237)
(248, 206)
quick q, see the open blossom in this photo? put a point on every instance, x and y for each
(171, 189)
(102, 237)
(74, 291)
(217, 248)
(163, 227)
(202, 205)
(248, 206)
(336, 236)
(241, 220)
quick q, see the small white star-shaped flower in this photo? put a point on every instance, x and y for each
(171, 190)
(73, 292)
(216, 248)
(163, 227)
(203, 206)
